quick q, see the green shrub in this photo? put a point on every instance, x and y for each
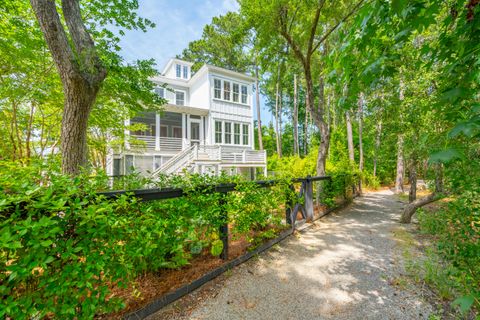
(63, 247)
(456, 228)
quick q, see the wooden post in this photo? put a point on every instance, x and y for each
(289, 205)
(223, 230)
(308, 198)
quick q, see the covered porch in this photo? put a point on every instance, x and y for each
(171, 131)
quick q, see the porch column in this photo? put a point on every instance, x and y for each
(184, 130)
(157, 131)
(127, 134)
(202, 131)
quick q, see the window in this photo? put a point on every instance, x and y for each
(226, 90)
(178, 70)
(160, 91)
(228, 132)
(245, 134)
(179, 98)
(235, 92)
(217, 89)
(244, 94)
(185, 72)
(218, 131)
(177, 132)
(236, 133)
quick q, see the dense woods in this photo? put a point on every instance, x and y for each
(387, 90)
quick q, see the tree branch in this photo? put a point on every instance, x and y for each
(83, 43)
(345, 18)
(54, 34)
(284, 32)
(313, 30)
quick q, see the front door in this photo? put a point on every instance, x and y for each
(194, 132)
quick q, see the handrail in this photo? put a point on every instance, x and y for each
(175, 159)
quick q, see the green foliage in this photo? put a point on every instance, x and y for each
(63, 247)
(456, 228)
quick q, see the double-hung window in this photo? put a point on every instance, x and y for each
(245, 134)
(160, 91)
(236, 133)
(226, 90)
(228, 132)
(236, 92)
(218, 131)
(244, 94)
(178, 70)
(217, 89)
(185, 72)
(179, 98)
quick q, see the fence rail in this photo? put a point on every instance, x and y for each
(305, 207)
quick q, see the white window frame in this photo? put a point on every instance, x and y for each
(235, 135)
(242, 95)
(229, 91)
(245, 135)
(218, 132)
(229, 134)
(237, 93)
(185, 72)
(184, 97)
(219, 90)
(162, 90)
(178, 70)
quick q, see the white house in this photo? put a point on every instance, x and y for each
(206, 126)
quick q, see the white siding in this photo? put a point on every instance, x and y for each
(199, 93)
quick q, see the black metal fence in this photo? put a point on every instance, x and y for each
(303, 203)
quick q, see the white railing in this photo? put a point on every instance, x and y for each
(179, 161)
(170, 144)
(188, 156)
(143, 141)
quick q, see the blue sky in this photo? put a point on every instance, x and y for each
(177, 23)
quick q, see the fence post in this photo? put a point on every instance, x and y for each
(289, 205)
(223, 230)
(308, 198)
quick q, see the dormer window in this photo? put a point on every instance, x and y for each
(185, 72)
(178, 71)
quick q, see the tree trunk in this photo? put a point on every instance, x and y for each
(377, 146)
(411, 208)
(305, 134)
(80, 70)
(324, 129)
(277, 121)
(351, 154)
(29, 131)
(412, 179)
(360, 133)
(259, 120)
(400, 165)
(295, 117)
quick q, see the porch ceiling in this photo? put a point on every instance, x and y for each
(186, 109)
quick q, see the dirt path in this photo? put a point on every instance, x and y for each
(343, 267)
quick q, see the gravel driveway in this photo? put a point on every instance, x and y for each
(343, 267)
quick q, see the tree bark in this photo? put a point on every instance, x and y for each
(257, 98)
(438, 194)
(81, 73)
(324, 131)
(360, 132)
(295, 117)
(377, 146)
(400, 165)
(412, 179)
(351, 151)
(411, 208)
(277, 121)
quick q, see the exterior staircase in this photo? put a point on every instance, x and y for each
(202, 159)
